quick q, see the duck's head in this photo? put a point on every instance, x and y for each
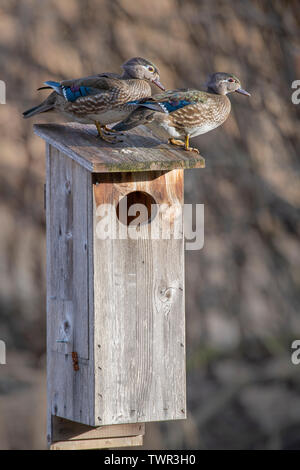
(140, 68)
(223, 83)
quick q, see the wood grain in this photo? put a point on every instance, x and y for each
(68, 191)
(139, 309)
(139, 151)
(64, 429)
(118, 303)
(93, 444)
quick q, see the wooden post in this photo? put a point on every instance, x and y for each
(115, 306)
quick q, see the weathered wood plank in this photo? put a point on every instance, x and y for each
(139, 309)
(139, 150)
(71, 394)
(81, 188)
(68, 191)
(50, 289)
(93, 444)
(68, 255)
(64, 430)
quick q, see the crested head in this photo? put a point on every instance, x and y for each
(223, 83)
(142, 69)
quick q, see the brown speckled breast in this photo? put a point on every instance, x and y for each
(214, 110)
(138, 89)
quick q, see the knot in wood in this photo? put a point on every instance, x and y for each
(165, 293)
(68, 187)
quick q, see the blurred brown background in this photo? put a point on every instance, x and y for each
(242, 289)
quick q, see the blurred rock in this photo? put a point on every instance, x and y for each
(242, 289)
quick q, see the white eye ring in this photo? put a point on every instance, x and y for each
(150, 68)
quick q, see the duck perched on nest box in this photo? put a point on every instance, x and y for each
(185, 113)
(100, 99)
(115, 304)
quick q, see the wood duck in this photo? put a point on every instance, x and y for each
(100, 99)
(185, 113)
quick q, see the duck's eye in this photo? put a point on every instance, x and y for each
(150, 68)
(231, 80)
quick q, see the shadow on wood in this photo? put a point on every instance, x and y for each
(68, 435)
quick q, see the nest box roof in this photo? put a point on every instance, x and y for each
(139, 151)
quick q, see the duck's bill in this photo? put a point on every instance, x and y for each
(242, 92)
(157, 83)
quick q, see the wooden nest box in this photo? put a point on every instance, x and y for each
(115, 305)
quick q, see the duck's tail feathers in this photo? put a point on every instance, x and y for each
(141, 115)
(154, 105)
(45, 106)
(37, 110)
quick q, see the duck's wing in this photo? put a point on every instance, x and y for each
(189, 107)
(101, 96)
(88, 86)
(100, 80)
(183, 107)
(173, 100)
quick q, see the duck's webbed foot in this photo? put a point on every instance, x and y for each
(185, 144)
(176, 142)
(109, 139)
(191, 149)
(105, 137)
(111, 131)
